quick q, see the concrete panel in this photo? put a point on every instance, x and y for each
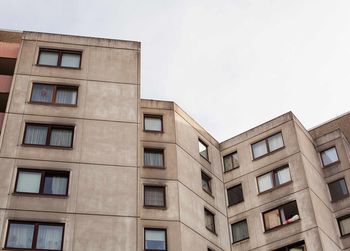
(6, 170)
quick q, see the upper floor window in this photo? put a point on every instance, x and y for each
(235, 195)
(274, 179)
(54, 94)
(329, 156)
(281, 215)
(240, 231)
(206, 182)
(153, 123)
(154, 196)
(155, 239)
(267, 145)
(153, 157)
(344, 225)
(42, 182)
(231, 161)
(203, 149)
(338, 190)
(3, 101)
(299, 246)
(209, 220)
(34, 235)
(48, 135)
(59, 58)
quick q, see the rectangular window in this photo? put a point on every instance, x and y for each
(34, 235)
(48, 135)
(274, 179)
(153, 123)
(299, 246)
(338, 189)
(206, 183)
(235, 195)
(42, 182)
(209, 220)
(267, 145)
(153, 157)
(155, 239)
(154, 196)
(329, 156)
(3, 101)
(344, 225)
(231, 161)
(203, 149)
(282, 215)
(240, 231)
(59, 58)
(54, 94)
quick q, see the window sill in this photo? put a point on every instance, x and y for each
(240, 241)
(155, 207)
(235, 204)
(48, 147)
(268, 154)
(341, 199)
(207, 160)
(209, 193)
(332, 164)
(51, 104)
(281, 226)
(38, 195)
(153, 131)
(211, 231)
(275, 188)
(155, 167)
(58, 67)
(231, 170)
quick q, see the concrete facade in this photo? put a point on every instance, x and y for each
(106, 207)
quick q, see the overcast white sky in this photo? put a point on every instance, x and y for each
(231, 64)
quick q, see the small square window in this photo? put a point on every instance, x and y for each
(344, 225)
(235, 195)
(59, 58)
(329, 156)
(153, 157)
(203, 149)
(282, 215)
(155, 239)
(267, 145)
(209, 220)
(154, 196)
(206, 183)
(153, 123)
(338, 190)
(231, 161)
(240, 231)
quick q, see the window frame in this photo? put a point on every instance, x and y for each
(209, 180)
(154, 116)
(60, 53)
(44, 173)
(212, 215)
(155, 229)
(230, 156)
(35, 233)
(232, 187)
(339, 219)
(274, 173)
(244, 220)
(267, 146)
(154, 150)
(293, 245)
(48, 135)
(200, 141)
(157, 187)
(343, 197)
(333, 163)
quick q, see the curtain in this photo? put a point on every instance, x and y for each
(20, 235)
(235, 160)
(61, 137)
(28, 182)
(35, 135)
(42, 93)
(283, 176)
(153, 158)
(70, 60)
(155, 239)
(209, 220)
(272, 219)
(329, 156)
(153, 124)
(345, 226)
(49, 237)
(275, 142)
(154, 196)
(48, 58)
(228, 163)
(265, 182)
(240, 231)
(66, 96)
(55, 185)
(259, 149)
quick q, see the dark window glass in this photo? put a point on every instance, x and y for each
(153, 157)
(235, 195)
(203, 149)
(344, 225)
(209, 220)
(155, 239)
(338, 190)
(154, 196)
(282, 215)
(329, 156)
(240, 231)
(231, 161)
(3, 101)
(267, 145)
(153, 123)
(206, 183)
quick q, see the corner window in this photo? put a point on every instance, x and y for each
(42, 182)
(267, 145)
(153, 123)
(283, 215)
(54, 94)
(239, 231)
(48, 135)
(206, 183)
(209, 220)
(59, 58)
(34, 235)
(153, 157)
(338, 190)
(329, 156)
(155, 239)
(231, 161)
(344, 225)
(299, 246)
(154, 196)
(235, 195)
(274, 179)
(203, 149)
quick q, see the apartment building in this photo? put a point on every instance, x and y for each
(86, 164)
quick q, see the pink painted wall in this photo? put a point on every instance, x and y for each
(9, 50)
(5, 83)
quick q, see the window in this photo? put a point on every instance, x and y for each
(338, 190)
(59, 58)
(267, 145)
(3, 101)
(154, 196)
(300, 246)
(209, 249)
(153, 123)
(240, 231)
(209, 220)
(282, 215)
(329, 156)
(274, 179)
(235, 195)
(203, 149)
(206, 183)
(153, 157)
(54, 94)
(231, 161)
(48, 135)
(42, 182)
(155, 239)
(34, 235)
(344, 225)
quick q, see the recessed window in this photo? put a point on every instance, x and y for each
(153, 123)
(209, 249)
(154, 196)
(155, 239)
(267, 145)
(283, 215)
(274, 179)
(42, 182)
(235, 195)
(54, 94)
(153, 157)
(34, 235)
(206, 182)
(344, 225)
(59, 58)
(203, 149)
(299, 246)
(3, 101)
(329, 156)
(48, 135)
(231, 161)
(338, 190)
(240, 231)
(209, 220)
